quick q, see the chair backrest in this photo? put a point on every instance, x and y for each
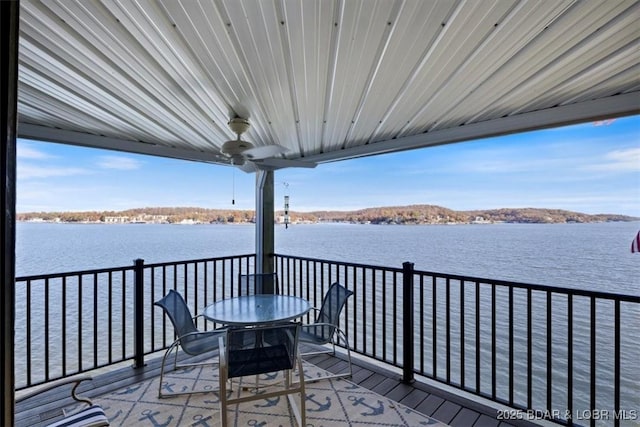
(256, 284)
(262, 349)
(332, 305)
(176, 308)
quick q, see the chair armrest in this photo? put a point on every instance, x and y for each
(212, 332)
(58, 383)
(320, 324)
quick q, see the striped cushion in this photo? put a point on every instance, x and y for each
(93, 416)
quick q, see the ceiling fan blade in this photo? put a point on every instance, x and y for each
(287, 163)
(264, 152)
(251, 166)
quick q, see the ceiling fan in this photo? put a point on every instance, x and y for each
(249, 157)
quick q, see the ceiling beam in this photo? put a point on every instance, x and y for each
(604, 108)
(47, 134)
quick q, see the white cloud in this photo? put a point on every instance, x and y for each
(119, 163)
(627, 160)
(25, 151)
(29, 171)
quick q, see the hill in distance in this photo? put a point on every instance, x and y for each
(413, 214)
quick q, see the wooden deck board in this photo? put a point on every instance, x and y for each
(486, 421)
(372, 381)
(447, 412)
(430, 405)
(399, 392)
(465, 418)
(414, 398)
(385, 386)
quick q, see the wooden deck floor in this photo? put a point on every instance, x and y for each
(449, 407)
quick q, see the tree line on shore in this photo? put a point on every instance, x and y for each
(414, 214)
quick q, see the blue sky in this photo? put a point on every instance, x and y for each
(590, 168)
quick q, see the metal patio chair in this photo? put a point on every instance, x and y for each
(192, 341)
(325, 329)
(257, 284)
(261, 283)
(262, 350)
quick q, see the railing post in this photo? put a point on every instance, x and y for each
(407, 322)
(138, 314)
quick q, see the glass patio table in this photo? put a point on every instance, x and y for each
(252, 310)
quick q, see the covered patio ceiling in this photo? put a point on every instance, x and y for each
(328, 80)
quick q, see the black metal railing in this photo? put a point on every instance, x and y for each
(79, 321)
(554, 353)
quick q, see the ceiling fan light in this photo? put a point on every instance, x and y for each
(235, 147)
(239, 125)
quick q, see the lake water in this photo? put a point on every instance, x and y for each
(588, 256)
(585, 256)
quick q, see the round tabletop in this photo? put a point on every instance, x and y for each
(256, 309)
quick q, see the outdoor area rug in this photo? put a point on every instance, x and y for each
(330, 402)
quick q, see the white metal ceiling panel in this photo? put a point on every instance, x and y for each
(212, 74)
(327, 79)
(118, 83)
(412, 30)
(534, 64)
(578, 56)
(463, 88)
(362, 29)
(580, 79)
(308, 32)
(462, 33)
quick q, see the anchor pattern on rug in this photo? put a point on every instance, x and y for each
(115, 415)
(361, 401)
(319, 406)
(202, 421)
(129, 390)
(268, 403)
(148, 414)
(331, 402)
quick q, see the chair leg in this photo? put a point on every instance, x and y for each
(299, 412)
(174, 347)
(303, 395)
(349, 373)
(162, 367)
(175, 359)
(222, 394)
(346, 344)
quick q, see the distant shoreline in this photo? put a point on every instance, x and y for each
(239, 224)
(389, 215)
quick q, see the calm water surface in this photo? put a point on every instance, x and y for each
(588, 256)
